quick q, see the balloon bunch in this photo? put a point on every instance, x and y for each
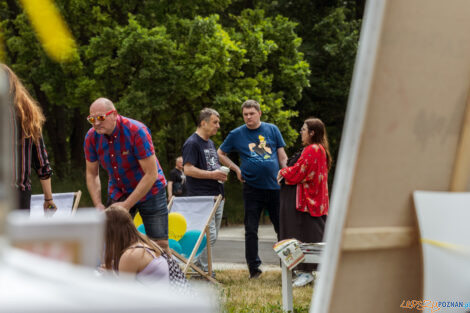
(179, 239)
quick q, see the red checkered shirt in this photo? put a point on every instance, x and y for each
(119, 154)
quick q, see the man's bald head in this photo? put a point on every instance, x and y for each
(102, 104)
(105, 108)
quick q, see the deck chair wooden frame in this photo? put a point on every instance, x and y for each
(76, 201)
(189, 263)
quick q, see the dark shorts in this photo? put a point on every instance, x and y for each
(154, 213)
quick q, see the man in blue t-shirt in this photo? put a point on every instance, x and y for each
(201, 167)
(261, 149)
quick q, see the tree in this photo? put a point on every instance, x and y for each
(330, 35)
(160, 62)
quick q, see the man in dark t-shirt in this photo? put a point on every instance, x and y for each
(177, 181)
(201, 167)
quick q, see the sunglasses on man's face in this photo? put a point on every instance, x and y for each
(100, 118)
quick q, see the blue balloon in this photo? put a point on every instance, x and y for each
(188, 241)
(175, 245)
(141, 228)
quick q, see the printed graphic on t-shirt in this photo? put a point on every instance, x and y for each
(260, 149)
(211, 159)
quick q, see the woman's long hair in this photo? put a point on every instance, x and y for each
(121, 234)
(27, 110)
(319, 136)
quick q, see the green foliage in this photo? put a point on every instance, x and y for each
(162, 61)
(330, 34)
(233, 208)
(336, 39)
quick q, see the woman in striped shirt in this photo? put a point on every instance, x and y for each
(29, 150)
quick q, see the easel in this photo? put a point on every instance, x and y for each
(311, 257)
(403, 131)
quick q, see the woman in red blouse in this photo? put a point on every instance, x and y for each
(304, 192)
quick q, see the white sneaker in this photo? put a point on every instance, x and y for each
(303, 279)
(315, 275)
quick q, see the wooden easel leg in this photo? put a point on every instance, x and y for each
(461, 170)
(209, 252)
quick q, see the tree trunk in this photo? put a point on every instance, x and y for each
(77, 137)
(56, 132)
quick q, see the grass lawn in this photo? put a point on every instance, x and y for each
(238, 293)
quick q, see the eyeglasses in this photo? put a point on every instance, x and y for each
(100, 118)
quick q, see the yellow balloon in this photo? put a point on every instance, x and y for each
(176, 226)
(138, 220)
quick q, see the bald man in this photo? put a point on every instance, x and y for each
(124, 148)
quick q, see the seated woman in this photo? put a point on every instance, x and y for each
(304, 193)
(127, 250)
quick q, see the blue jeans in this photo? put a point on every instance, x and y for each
(255, 201)
(154, 213)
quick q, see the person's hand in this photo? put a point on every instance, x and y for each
(100, 207)
(122, 205)
(239, 175)
(279, 177)
(219, 175)
(49, 204)
(49, 207)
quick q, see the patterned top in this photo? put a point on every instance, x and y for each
(119, 154)
(27, 154)
(310, 173)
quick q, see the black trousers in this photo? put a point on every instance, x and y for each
(255, 201)
(24, 199)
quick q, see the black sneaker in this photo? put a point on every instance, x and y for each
(255, 273)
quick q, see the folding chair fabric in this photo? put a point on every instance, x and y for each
(65, 203)
(195, 210)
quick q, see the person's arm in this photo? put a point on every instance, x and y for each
(93, 184)
(282, 157)
(302, 170)
(170, 189)
(149, 167)
(191, 170)
(280, 144)
(225, 160)
(47, 190)
(40, 163)
(131, 261)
